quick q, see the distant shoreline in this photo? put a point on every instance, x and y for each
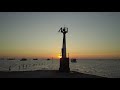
(58, 59)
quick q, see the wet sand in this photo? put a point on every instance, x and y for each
(45, 74)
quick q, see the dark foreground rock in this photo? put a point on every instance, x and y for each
(45, 74)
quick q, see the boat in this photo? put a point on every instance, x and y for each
(11, 58)
(73, 60)
(23, 59)
(48, 59)
(35, 59)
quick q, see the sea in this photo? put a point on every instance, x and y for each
(109, 68)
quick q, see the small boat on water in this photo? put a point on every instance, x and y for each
(73, 60)
(35, 59)
(11, 58)
(23, 59)
(48, 59)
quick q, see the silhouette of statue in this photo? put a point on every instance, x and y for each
(64, 61)
(60, 29)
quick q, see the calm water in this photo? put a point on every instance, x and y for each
(107, 68)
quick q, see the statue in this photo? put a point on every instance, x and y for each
(64, 61)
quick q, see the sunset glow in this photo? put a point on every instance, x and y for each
(35, 34)
(59, 56)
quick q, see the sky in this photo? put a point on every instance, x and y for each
(35, 34)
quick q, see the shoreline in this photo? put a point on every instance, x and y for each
(46, 74)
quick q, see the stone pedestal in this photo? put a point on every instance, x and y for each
(64, 65)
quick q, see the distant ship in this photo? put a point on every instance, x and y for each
(23, 59)
(11, 58)
(48, 59)
(35, 59)
(73, 60)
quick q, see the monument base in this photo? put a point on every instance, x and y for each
(64, 65)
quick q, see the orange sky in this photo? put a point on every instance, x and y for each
(35, 34)
(57, 55)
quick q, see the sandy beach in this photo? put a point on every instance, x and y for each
(45, 74)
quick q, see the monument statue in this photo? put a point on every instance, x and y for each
(64, 61)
